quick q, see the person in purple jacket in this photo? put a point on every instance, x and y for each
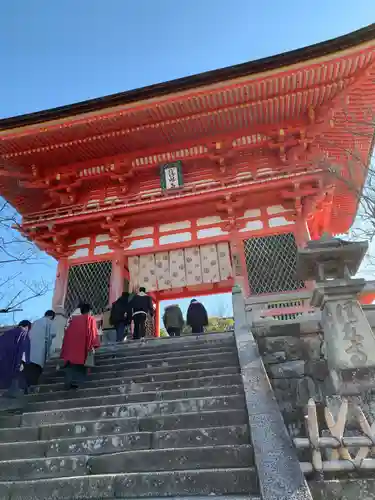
(14, 353)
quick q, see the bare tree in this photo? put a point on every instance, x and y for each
(354, 169)
(19, 260)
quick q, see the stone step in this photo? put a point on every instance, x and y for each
(228, 357)
(155, 460)
(142, 378)
(139, 354)
(114, 443)
(151, 370)
(164, 356)
(138, 410)
(210, 457)
(170, 344)
(39, 468)
(135, 354)
(122, 425)
(162, 418)
(159, 347)
(133, 397)
(210, 482)
(210, 497)
(165, 345)
(11, 420)
(118, 387)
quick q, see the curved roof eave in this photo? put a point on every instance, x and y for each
(301, 55)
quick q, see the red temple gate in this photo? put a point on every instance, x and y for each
(206, 181)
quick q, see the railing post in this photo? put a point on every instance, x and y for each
(283, 306)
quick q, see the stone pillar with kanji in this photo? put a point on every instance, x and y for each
(349, 339)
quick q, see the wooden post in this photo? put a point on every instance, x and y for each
(301, 232)
(117, 277)
(157, 318)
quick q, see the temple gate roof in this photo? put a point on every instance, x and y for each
(263, 110)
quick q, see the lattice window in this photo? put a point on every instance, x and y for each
(88, 283)
(271, 264)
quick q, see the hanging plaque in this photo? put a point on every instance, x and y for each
(171, 176)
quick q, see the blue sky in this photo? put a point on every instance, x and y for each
(58, 52)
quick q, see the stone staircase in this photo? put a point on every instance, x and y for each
(163, 418)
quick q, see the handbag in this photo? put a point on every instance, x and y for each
(90, 360)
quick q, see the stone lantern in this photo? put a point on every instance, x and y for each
(349, 339)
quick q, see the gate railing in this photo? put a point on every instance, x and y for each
(331, 450)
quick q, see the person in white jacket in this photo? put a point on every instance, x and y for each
(42, 332)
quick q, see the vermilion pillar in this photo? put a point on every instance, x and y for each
(156, 305)
(302, 236)
(157, 317)
(239, 262)
(301, 232)
(61, 283)
(117, 276)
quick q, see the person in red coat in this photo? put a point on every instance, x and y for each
(80, 340)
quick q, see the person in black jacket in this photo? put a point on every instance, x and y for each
(196, 316)
(120, 316)
(141, 305)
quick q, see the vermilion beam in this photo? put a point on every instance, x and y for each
(245, 188)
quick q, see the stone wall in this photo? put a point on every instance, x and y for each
(293, 355)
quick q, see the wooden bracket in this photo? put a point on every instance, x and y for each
(230, 206)
(116, 228)
(122, 174)
(221, 153)
(49, 239)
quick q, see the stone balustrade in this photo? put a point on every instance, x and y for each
(289, 307)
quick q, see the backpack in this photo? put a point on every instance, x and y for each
(118, 311)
